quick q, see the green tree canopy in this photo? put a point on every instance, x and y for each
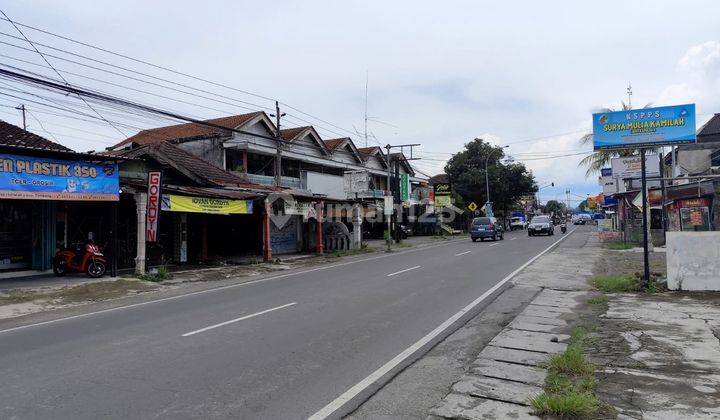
(509, 181)
(554, 207)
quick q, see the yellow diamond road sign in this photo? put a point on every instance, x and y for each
(472, 206)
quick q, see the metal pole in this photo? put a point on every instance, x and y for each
(389, 193)
(646, 277)
(114, 261)
(487, 182)
(21, 107)
(278, 153)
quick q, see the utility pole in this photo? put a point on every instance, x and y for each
(488, 205)
(21, 107)
(567, 203)
(629, 92)
(389, 192)
(388, 213)
(278, 139)
(367, 77)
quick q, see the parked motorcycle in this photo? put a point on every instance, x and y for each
(82, 258)
(563, 227)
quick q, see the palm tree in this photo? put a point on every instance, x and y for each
(601, 158)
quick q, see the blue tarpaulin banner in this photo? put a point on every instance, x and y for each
(664, 125)
(34, 178)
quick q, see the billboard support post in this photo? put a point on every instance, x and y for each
(646, 262)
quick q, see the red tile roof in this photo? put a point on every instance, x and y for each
(367, 152)
(333, 144)
(290, 134)
(186, 163)
(11, 135)
(189, 130)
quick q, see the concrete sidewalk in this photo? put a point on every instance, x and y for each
(657, 356)
(491, 367)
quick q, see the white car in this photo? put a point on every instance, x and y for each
(517, 223)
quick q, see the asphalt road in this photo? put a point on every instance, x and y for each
(281, 348)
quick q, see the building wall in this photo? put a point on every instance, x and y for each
(692, 260)
(210, 150)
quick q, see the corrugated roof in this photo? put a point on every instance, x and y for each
(11, 135)
(189, 130)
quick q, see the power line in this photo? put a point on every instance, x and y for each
(54, 69)
(127, 57)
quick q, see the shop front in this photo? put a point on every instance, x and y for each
(50, 199)
(215, 227)
(690, 215)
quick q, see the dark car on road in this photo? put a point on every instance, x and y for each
(486, 227)
(541, 225)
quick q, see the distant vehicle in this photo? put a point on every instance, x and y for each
(517, 222)
(486, 227)
(581, 218)
(541, 225)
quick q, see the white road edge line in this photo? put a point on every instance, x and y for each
(512, 239)
(242, 318)
(463, 253)
(215, 289)
(403, 271)
(348, 395)
(496, 243)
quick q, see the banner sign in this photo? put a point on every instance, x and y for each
(608, 184)
(404, 187)
(152, 216)
(442, 192)
(34, 178)
(666, 125)
(171, 202)
(356, 182)
(606, 172)
(630, 167)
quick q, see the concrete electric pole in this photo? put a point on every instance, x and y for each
(278, 138)
(21, 108)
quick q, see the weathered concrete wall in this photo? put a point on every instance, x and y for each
(693, 260)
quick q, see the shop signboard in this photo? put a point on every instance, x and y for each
(404, 187)
(152, 215)
(189, 204)
(443, 191)
(660, 126)
(630, 167)
(35, 178)
(356, 182)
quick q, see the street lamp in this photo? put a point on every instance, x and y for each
(552, 184)
(487, 181)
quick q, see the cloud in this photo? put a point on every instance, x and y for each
(699, 71)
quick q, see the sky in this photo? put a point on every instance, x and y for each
(528, 74)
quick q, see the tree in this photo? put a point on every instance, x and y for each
(601, 158)
(508, 181)
(583, 206)
(554, 207)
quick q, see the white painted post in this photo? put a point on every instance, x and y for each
(141, 211)
(357, 227)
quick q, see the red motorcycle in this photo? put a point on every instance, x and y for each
(80, 258)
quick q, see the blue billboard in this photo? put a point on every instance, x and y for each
(633, 128)
(34, 178)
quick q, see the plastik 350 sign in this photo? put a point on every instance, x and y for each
(34, 178)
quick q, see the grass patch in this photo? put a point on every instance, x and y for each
(617, 283)
(569, 384)
(161, 274)
(618, 246)
(599, 300)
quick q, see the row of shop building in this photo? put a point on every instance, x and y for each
(683, 190)
(220, 197)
